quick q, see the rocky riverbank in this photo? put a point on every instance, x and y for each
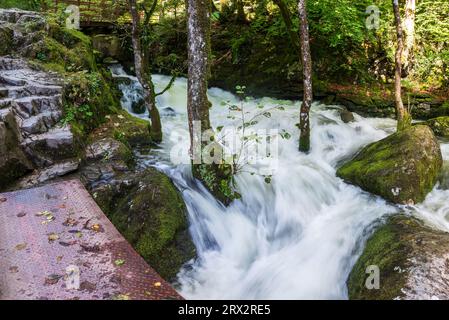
(60, 117)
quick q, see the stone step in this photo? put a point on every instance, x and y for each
(40, 123)
(47, 148)
(7, 80)
(5, 102)
(59, 169)
(33, 105)
(7, 63)
(14, 15)
(18, 92)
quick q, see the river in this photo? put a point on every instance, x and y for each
(296, 237)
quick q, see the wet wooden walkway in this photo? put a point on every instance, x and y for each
(56, 243)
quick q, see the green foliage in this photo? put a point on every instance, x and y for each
(88, 98)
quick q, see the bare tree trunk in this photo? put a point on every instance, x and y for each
(304, 124)
(144, 76)
(198, 105)
(403, 117)
(285, 12)
(216, 176)
(409, 30)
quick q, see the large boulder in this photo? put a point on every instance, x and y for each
(402, 168)
(413, 262)
(150, 213)
(439, 126)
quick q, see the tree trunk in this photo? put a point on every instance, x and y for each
(285, 12)
(403, 117)
(409, 30)
(215, 175)
(241, 17)
(198, 13)
(304, 124)
(144, 76)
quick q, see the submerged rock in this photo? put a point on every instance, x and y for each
(346, 116)
(413, 261)
(150, 213)
(402, 168)
(439, 126)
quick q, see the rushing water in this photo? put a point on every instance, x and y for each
(296, 237)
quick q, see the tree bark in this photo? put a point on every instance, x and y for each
(409, 30)
(285, 12)
(241, 17)
(304, 124)
(198, 34)
(402, 114)
(216, 176)
(144, 76)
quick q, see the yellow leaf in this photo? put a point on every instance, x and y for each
(53, 237)
(21, 246)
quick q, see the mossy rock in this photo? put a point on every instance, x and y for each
(402, 168)
(122, 126)
(151, 215)
(439, 126)
(6, 39)
(13, 161)
(408, 255)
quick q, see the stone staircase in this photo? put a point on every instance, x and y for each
(31, 110)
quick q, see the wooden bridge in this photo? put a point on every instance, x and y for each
(95, 12)
(57, 244)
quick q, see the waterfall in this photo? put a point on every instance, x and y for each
(296, 237)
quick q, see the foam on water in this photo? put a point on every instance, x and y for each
(296, 237)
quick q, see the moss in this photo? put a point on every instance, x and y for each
(6, 40)
(385, 250)
(402, 168)
(151, 215)
(439, 126)
(219, 180)
(122, 126)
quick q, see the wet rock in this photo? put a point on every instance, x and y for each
(413, 260)
(150, 213)
(138, 107)
(107, 149)
(346, 116)
(43, 175)
(168, 112)
(402, 168)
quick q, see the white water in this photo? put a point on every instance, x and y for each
(295, 238)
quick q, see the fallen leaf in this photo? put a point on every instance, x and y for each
(52, 279)
(3, 200)
(79, 234)
(70, 222)
(67, 244)
(53, 237)
(14, 269)
(121, 297)
(21, 246)
(97, 228)
(21, 214)
(119, 262)
(59, 258)
(157, 284)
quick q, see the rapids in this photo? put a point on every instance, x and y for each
(296, 237)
